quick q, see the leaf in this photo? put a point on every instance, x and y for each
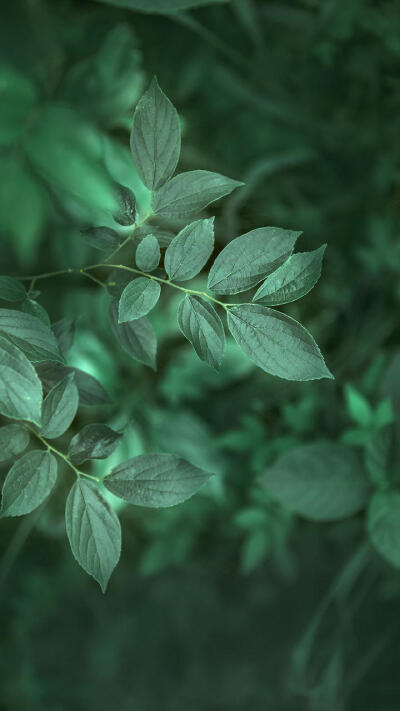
(164, 7)
(102, 238)
(20, 388)
(201, 325)
(28, 483)
(30, 334)
(188, 193)
(29, 306)
(11, 289)
(126, 215)
(95, 441)
(91, 393)
(137, 299)
(155, 480)
(190, 250)
(250, 258)
(93, 530)
(276, 343)
(358, 407)
(59, 408)
(322, 482)
(64, 331)
(148, 254)
(13, 440)
(254, 550)
(383, 525)
(155, 137)
(137, 338)
(293, 279)
(377, 452)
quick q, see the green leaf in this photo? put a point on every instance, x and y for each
(161, 6)
(30, 334)
(358, 407)
(91, 393)
(28, 483)
(201, 325)
(148, 254)
(11, 289)
(155, 480)
(188, 193)
(126, 215)
(377, 454)
(250, 258)
(137, 299)
(190, 250)
(277, 343)
(29, 306)
(322, 482)
(59, 408)
(293, 279)
(102, 238)
(20, 388)
(95, 441)
(93, 531)
(64, 331)
(137, 338)
(254, 550)
(155, 137)
(383, 525)
(13, 440)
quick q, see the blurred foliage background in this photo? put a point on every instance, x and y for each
(225, 602)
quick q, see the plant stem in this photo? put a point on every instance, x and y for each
(62, 456)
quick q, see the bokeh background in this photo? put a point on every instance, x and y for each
(226, 602)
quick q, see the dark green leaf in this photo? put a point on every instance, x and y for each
(93, 531)
(155, 480)
(137, 338)
(201, 325)
(246, 260)
(126, 215)
(30, 334)
(20, 388)
(322, 482)
(155, 137)
(137, 299)
(91, 393)
(64, 331)
(383, 524)
(161, 6)
(29, 306)
(28, 483)
(148, 254)
(13, 440)
(277, 343)
(95, 441)
(11, 289)
(103, 238)
(188, 193)
(190, 250)
(377, 453)
(59, 408)
(293, 279)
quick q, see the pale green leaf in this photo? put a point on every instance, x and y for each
(383, 525)
(28, 483)
(277, 343)
(148, 254)
(137, 338)
(248, 259)
(190, 250)
(93, 531)
(59, 408)
(11, 289)
(13, 440)
(293, 279)
(20, 388)
(137, 299)
(95, 441)
(188, 193)
(201, 325)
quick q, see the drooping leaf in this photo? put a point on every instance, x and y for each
(20, 388)
(59, 408)
(383, 525)
(190, 250)
(95, 441)
(277, 343)
(248, 259)
(13, 440)
(148, 254)
(64, 331)
(155, 137)
(30, 306)
(102, 238)
(93, 531)
(28, 483)
(11, 289)
(126, 214)
(91, 393)
(322, 481)
(30, 334)
(201, 325)
(137, 338)
(137, 299)
(293, 279)
(188, 193)
(155, 480)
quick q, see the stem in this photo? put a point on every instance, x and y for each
(92, 278)
(62, 456)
